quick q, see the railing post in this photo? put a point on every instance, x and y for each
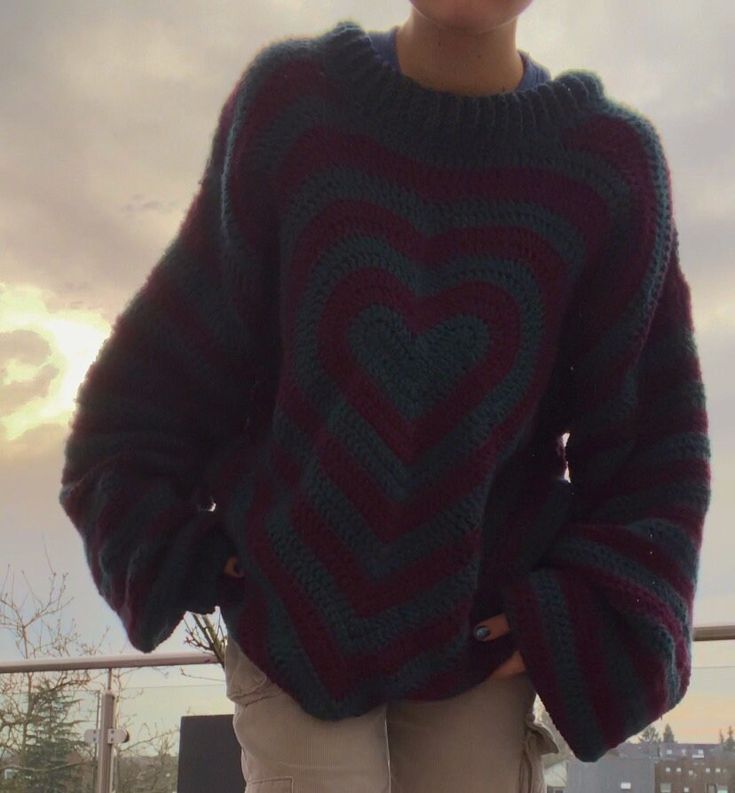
(104, 743)
(106, 736)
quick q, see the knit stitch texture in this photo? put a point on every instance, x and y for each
(355, 367)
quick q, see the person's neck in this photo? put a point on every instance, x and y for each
(447, 59)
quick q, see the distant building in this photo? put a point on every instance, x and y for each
(666, 767)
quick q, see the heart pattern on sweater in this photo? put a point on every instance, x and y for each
(457, 344)
(416, 369)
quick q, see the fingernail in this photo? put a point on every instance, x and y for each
(482, 632)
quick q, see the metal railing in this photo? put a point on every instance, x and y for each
(704, 633)
(107, 736)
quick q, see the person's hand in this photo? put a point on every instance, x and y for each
(498, 626)
(232, 568)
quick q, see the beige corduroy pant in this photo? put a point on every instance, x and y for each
(485, 740)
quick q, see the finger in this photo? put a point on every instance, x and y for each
(505, 669)
(511, 666)
(232, 568)
(497, 625)
(517, 664)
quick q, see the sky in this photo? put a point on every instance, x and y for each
(107, 114)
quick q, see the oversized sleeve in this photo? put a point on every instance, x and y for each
(170, 386)
(604, 619)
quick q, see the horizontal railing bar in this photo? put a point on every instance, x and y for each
(713, 632)
(107, 661)
(702, 633)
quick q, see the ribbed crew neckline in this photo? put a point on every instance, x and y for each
(385, 96)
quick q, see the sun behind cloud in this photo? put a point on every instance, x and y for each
(38, 390)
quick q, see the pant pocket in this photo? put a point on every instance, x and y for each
(537, 741)
(245, 682)
(283, 784)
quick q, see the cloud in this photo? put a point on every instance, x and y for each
(44, 352)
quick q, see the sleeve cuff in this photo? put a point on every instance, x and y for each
(529, 605)
(206, 577)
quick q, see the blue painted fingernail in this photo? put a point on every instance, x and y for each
(482, 632)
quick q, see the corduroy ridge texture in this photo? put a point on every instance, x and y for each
(356, 366)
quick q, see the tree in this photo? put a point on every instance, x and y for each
(206, 636)
(668, 736)
(41, 745)
(138, 773)
(649, 735)
(53, 742)
(34, 746)
(728, 744)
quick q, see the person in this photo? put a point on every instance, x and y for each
(337, 409)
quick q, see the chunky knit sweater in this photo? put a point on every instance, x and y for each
(416, 358)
